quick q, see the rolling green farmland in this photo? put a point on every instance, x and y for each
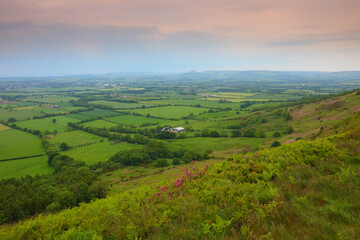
(119, 151)
(15, 144)
(135, 120)
(170, 112)
(22, 167)
(98, 152)
(73, 138)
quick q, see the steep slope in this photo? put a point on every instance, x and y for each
(309, 119)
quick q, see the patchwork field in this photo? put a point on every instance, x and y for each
(98, 152)
(73, 138)
(135, 120)
(15, 143)
(44, 124)
(171, 112)
(23, 167)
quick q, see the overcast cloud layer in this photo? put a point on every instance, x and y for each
(55, 37)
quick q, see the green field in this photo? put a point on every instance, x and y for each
(22, 167)
(170, 112)
(121, 105)
(79, 116)
(135, 120)
(101, 113)
(15, 143)
(100, 124)
(44, 124)
(19, 115)
(98, 152)
(73, 138)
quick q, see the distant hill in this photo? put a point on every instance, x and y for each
(275, 75)
(251, 75)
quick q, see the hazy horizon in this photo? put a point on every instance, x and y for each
(57, 38)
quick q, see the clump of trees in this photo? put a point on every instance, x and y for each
(275, 144)
(70, 184)
(152, 152)
(212, 133)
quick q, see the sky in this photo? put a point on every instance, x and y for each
(64, 37)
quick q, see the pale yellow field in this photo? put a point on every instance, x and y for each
(3, 127)
(24, 108)
(234, 94)
(231, 96)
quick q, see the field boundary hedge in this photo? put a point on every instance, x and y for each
(18, 158)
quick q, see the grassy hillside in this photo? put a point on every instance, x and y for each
(303, 190)
(309, 119)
